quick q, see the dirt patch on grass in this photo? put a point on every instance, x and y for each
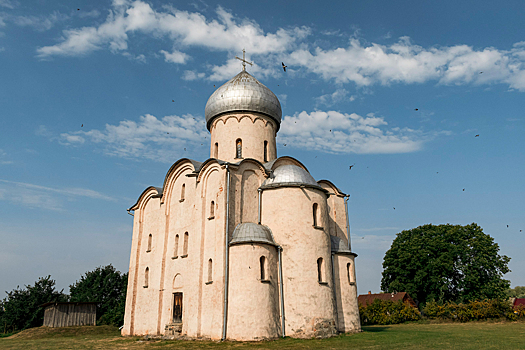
(75, 331)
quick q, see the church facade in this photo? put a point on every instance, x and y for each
(245, 245)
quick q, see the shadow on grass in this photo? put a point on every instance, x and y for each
(374, 329)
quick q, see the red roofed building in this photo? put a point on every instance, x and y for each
(518, 302)
(366, 299)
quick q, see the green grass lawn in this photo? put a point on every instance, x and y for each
(472, 335)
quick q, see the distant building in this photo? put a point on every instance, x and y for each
(63, 314)
(245, 245)
(518, 302)
(366, 299)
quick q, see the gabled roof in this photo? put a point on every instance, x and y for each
(365, 299)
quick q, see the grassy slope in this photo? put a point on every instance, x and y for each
(473, 335)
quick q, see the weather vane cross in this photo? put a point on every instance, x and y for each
(243, 59)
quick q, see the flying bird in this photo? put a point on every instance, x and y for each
(394, 208)
(477, 135)
(172, 100)
(463, 190)
(350, 167)
(284, 67)
(185, 149)
(82, 125)
(415, 109)
(480, 72)
(284, 144)
(507, 226)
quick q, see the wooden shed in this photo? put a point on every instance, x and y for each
(62, 314)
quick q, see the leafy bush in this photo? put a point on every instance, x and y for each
(473, 310)
(387, 312)
(21, 308)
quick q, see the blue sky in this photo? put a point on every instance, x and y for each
(86, 91)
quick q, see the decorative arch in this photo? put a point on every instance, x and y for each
(287, 160)
(327, 184)
(207, 167)
(177, 283)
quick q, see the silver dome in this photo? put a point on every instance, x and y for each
(243, 93)
(289, 175)
(248, 232)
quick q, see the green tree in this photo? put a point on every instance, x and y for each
(445, 263)
(21, 307)
(517, 292)
(107, 287)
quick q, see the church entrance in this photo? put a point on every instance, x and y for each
(177, 308)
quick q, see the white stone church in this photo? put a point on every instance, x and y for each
(245, 245)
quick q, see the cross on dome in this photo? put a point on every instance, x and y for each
(243, 59)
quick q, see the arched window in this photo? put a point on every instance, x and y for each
(182, 193)
(320, 270)
(216, 151)
(150, 239)
(265, 151)
(349, 272)
(210, 270)
(262, 261)
(146, 277)
(212, 209)
(185, 248)
(176, 247)
(238, 148)
(315, 210)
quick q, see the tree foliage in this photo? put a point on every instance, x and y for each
(107, 287)
(445, 263)
(517, 292)
(21, 307)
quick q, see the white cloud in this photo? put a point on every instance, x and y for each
(404, 62)
(339, 95)
(175, 56)
(226, 33)
(92, 13)
(36, 196)
(10, 4)
(40, 23)
(192, 75)
(337, 132)
(161, 140)
(359, 63)
(3, 155)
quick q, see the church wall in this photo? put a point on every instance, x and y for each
(181, 213)
(346, 294)
(145, 309)
(253, 307)
(252, 128)
(212, 248)
(244, 200)
(309, 304)
(337, 213)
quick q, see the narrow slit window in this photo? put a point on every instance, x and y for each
(265, 151)
(182, 192)
(212, 209)
(210, 270)
(262, 261)
(150, 239)
(216, 151)
(320, 270)
(349, 272)
(315, 209)
(176, 246)
(238, 148)
(185, 249)
(146, 277)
